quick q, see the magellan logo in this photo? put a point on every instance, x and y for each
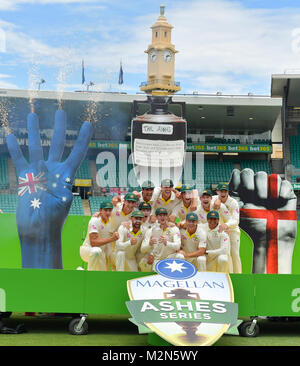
(175, 269)
(189, 312)
(186, 284)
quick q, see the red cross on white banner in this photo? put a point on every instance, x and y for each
(272, 217)
(30, 183)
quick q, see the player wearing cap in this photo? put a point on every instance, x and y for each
(146, 209)
(98, 238)
(185, 206)
(168, 197)
(232, 224)
(217, 245)
(121, 212)
(129, 242)
(193, 242)
(160, 242)
(206, 205)
(145, 195)
(148, 194)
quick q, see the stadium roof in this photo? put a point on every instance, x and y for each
(292, 84)
(203, 111)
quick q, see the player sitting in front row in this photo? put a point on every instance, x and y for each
(193, 242)
(95, 248)
(217, 245)
(160, 242)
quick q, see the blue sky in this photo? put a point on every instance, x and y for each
(228, 46)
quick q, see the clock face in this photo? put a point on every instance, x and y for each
(167, 55)
(153, 55)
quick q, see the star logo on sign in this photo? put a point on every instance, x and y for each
(174, 266)
(35, 203)
(178, 269)
(68, 180)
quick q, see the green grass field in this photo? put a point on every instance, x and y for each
(117, 330)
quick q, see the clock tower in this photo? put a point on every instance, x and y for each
(161, 59)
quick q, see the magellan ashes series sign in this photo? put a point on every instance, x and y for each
(184, 307)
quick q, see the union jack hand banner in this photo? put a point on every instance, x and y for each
(45, 190)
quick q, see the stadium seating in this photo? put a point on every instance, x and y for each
(76, 207)
(84, 172)
(8, 203)
(256, 165)
(112, 174)
(4, 178)
(214, 172)
(295, 152)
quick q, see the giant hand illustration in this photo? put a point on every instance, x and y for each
(45, 190)
(268, 215)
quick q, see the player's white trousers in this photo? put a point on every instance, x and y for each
(123, 263)
(235, 239)
(219, 263)
(95, 257)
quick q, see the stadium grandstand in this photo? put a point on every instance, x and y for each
(229, 131)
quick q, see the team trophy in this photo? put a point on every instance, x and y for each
(158, 141)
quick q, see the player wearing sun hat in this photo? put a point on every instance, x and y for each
(217, 245)
(98, 239)
(193, 242)
(232, 224)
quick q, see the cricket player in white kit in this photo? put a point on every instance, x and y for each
(121, 212)
(146, 209)
(148, 194)
(167, 197)
(129, 242)
(193, 242)
(232, 224)
(206, 205)
(185, 206)
(161, 241)
(217, 245)
(99, 236)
